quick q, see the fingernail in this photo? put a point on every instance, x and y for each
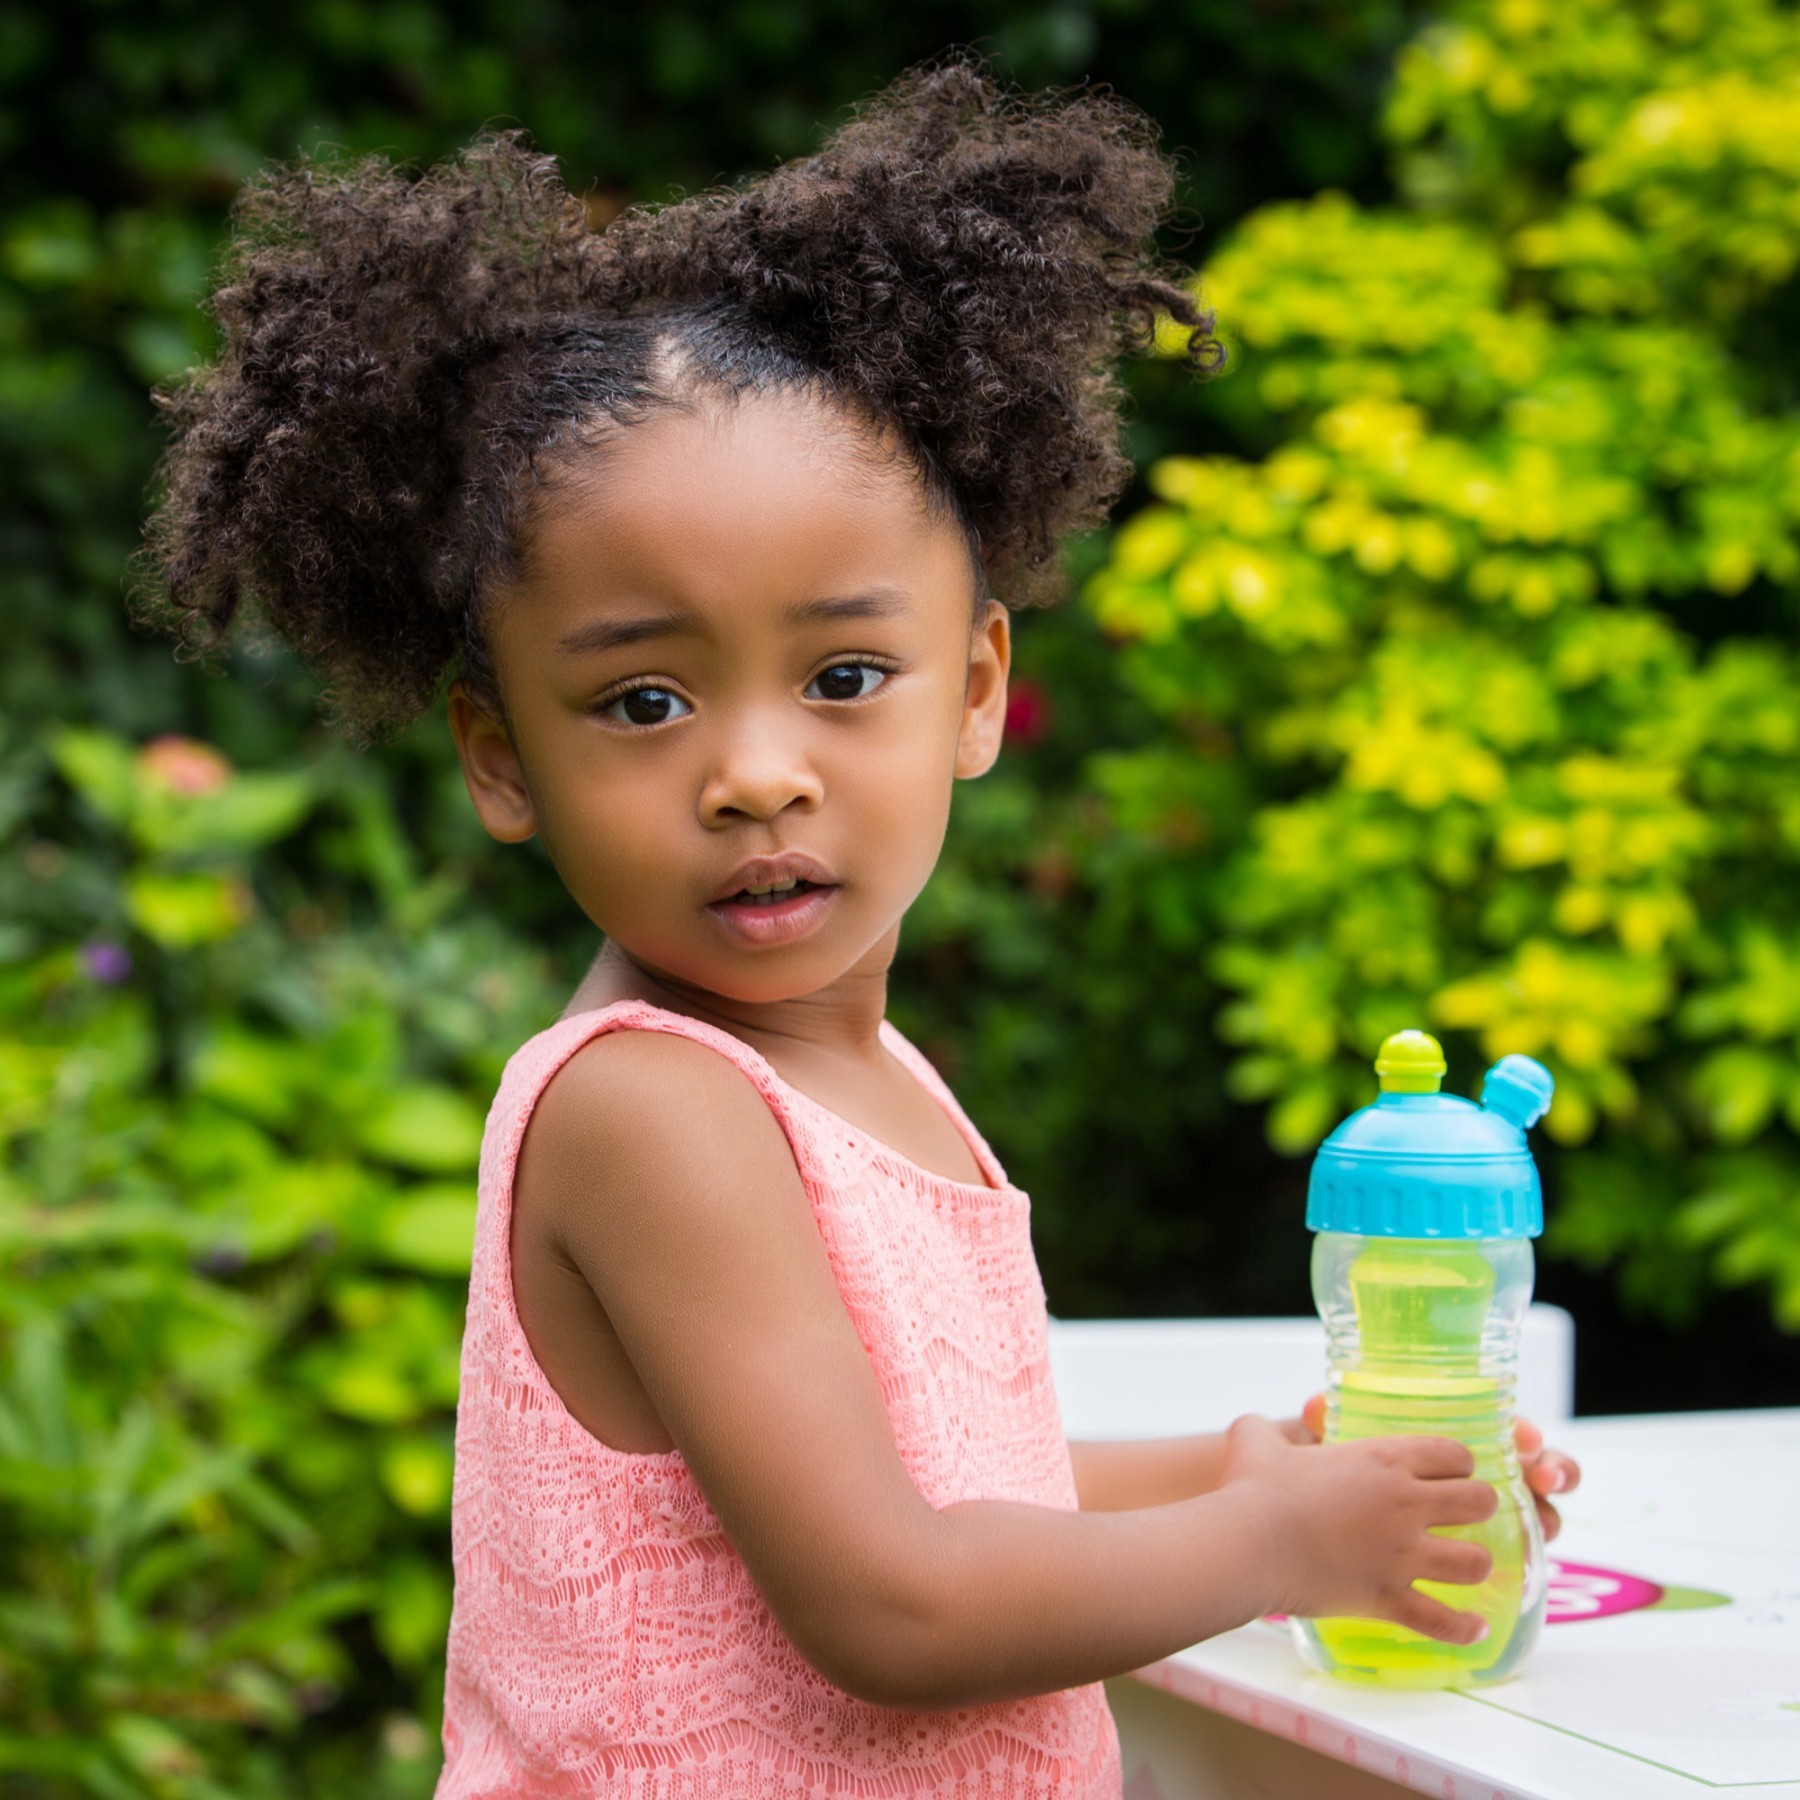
(1559, 1479)
(1481, 1631)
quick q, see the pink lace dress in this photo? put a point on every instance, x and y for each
(606, 1637)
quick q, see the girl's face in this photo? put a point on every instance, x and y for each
(740, 657)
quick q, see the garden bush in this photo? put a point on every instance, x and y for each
(1473, 670)
(254, 991)
(235, 1219)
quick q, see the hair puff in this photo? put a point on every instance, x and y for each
(960, 264)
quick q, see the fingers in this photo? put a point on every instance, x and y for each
(1455, 1560)
(1312, 1416)
(1468, 1502)
(1437, 1458)
(1250, 1442)
(1254, 1429)
(1551, 1472)
(1549, 1519)
(1432, 1619)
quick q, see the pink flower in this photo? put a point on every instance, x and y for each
(183, 765)
(1027, 714)
(106, 962)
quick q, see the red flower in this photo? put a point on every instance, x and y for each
(1027, 714)
(183, 765)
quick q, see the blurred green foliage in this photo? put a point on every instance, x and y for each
(255, 992)
(1445, 678)
(1474, 671)
(235, 1215)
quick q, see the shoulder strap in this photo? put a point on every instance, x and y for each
(935, 1085)
(532, 1065)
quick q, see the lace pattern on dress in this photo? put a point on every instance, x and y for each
(607, 1638)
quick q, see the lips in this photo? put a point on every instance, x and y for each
(791, 866)
(782, 919)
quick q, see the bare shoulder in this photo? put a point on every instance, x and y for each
(643, 1112)
(631, 1091)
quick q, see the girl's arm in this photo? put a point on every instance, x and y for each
(1117, 1477)
(670, 1185)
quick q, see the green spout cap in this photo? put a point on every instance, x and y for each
(1410, 1062)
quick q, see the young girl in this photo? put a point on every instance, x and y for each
(761, 1488)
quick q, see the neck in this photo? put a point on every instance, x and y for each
(842, 1018)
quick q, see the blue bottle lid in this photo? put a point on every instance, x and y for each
(1420, 1164)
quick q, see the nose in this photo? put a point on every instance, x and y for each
(760, 772)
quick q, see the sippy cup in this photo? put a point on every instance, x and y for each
(1425, 1206)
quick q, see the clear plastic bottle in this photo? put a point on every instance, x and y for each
(1425, 1206)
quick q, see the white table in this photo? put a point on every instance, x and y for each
(1675, 1700)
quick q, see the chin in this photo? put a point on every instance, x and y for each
(768, 987)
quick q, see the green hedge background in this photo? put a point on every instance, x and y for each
(1442, 669)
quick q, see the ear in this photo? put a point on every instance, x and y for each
(984, 701)
(491, 769)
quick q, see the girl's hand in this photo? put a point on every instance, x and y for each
(1546, 1472)
(1350, 1527)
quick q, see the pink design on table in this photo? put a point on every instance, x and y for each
(1580, 1591)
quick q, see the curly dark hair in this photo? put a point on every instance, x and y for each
(403, 355)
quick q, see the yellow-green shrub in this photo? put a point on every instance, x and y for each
(1496, 631)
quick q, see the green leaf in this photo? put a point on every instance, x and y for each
(294, 1618)
(117, 1466)
(1303, 1116)
(98, 766)
(258, 1075)
(27, 1624)
(1739, 1088)
(153, 1748)
(368, 1388)
(430, 1228)
(73, 1757)
(413, 1614)
(416, 1470)
(272, 1212)
(433, 1129)
(53, 246)
(246, 813)
(183, 911)
(283, 1522)
(28, 1075)
(173, 1563)
(169, 1499)
(40, 1384)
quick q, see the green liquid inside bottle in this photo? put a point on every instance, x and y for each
(1416, 1351)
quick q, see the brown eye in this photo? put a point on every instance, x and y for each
(646, 706)
(846, 681)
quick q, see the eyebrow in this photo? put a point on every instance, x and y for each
(612, 634)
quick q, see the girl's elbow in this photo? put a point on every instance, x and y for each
(871, 1673)
(887, 1671)
(887, 1653)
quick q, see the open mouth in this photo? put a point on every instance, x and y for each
(776, 905)
(772, 896)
